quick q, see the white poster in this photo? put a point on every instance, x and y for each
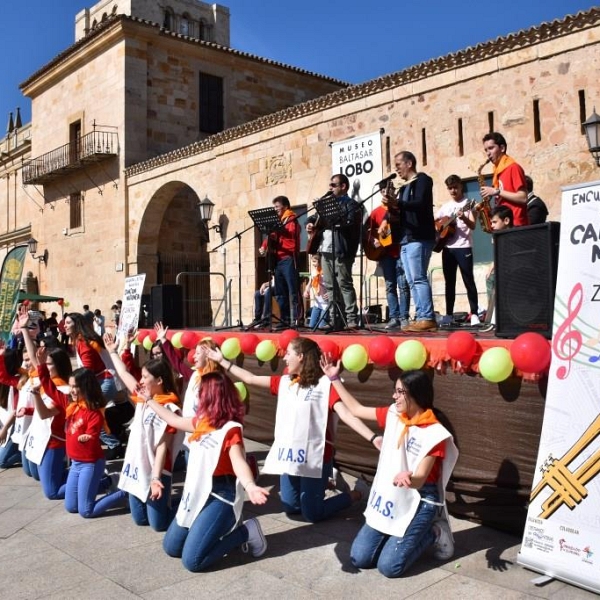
(359, 158)
(132, 300)
(562, 532)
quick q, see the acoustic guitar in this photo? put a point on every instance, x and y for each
(384, 239)
(445, 227)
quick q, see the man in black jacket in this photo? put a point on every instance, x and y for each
(537, 211)
(417, 237)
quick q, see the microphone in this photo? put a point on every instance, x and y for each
(327, 195)
(386, 180)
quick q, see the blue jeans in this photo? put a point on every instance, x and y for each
(262, 305)
(393, 555)
(396, 288)
(29, 468)
(52, 472)
(316, 317)
(81, 490)
(207, 540)
(415, 260)
(286, 289)
(306, 496)
(109, 391)
(459, 258)
(10, 455)
(156, 513)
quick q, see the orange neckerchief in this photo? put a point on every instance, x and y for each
(424, 418)
(287, 214)
(73, 407)
(57, 382)
(504, 162)
(202, 428)
(315, 283)
(161, 399)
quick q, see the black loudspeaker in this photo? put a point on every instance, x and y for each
(167, 305)
(525, 264)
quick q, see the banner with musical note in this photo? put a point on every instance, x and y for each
(562, 532)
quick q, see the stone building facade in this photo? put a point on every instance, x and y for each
(535, 86)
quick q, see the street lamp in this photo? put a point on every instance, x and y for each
(592, 134)
(33, 244)
(206, 210)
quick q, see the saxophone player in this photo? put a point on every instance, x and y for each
(509, 187)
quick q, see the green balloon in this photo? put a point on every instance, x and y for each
(230, 348)
(411, 355)
(242, 389)
(176, 339)
(266, 350)
(147, 343)
(355, 358)
(495, 364)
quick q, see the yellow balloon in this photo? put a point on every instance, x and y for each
(242, 389)
(495, 364)
(266, 350)
(355, 358)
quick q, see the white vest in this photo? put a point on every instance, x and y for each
(190, 399)
(40, 431)
(202, 462)
(22, 424)
(390, 509)
(300, 426)
(146, 432)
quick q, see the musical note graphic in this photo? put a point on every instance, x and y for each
(569, 486)
(567, 342)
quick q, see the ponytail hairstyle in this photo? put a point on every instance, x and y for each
(89, 388)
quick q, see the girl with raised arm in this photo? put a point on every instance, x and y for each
(305, 424)
(206, 526)
(84, 420)
(406, 512)
(147, 467)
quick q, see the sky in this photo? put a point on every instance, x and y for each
(345, 39)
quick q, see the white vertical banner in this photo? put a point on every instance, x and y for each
(562, 532)
(132, 301)
(359, 158)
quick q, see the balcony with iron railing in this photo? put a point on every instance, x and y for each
(91, 148)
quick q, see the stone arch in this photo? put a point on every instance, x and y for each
(172, 239)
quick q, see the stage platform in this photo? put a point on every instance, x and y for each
(496, 426)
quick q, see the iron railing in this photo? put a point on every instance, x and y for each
(90, 148)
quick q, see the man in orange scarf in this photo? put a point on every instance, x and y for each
(508, 185)
(285, 246)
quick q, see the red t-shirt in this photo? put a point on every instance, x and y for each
(373, 222)
(232, 438)
(83, 421)
(89, 353)
(438, 451)
(512, 179)
(333, 398)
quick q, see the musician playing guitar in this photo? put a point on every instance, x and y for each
(455, 232)
(383, 218)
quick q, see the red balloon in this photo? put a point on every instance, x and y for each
(25, 303)
(531, 353)
(190, 356)
(217, 339)
(286, 337)
(248, 342)
(189, 339)
(152, 335)
(142, 334)
(60, 301)
(330, 347)
(461, 346)
(382, 350)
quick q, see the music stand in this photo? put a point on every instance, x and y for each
(332, 215)
(267, 222)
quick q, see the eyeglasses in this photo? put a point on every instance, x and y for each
(334, 185)
(400, 392)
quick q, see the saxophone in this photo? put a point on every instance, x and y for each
(483, 208)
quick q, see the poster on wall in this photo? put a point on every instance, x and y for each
(359, 158)
(132, 301)
(562, 531)
(10, 283)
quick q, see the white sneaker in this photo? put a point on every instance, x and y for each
(443, 547)
(257, 542)
(475, 320)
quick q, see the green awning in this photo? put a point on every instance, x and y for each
(37, 297)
